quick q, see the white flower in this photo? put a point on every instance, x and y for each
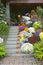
(1, 40)
(5, 22)
(27, 47)
(32, 30)
(26, 18)
(28, 22)
(28, 34)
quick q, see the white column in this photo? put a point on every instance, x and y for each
(8, 13)
(7, 10)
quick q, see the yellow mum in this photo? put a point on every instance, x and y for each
(41, 35)
(26, 29)
(21, 37)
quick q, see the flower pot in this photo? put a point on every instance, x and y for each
(32, 39)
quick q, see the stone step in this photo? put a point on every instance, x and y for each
(13, 46)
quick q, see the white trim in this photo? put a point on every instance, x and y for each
(7, 10)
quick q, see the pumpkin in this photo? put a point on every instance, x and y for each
(17, 51)
(17, 43)
(17, 46)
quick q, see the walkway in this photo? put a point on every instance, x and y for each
(20, 60)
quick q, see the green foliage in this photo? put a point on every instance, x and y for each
(3, 29)
(3, 24)
(37, 25)
(38, 50)
(2, 50)
(2, 12)
(39, 12)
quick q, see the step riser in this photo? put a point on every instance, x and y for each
(13, 36)
(11, 46)
(12, 51)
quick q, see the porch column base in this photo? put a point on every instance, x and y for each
(8, 20)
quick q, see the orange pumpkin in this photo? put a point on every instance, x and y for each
(17, 51)
(17, 43)
(17, 46)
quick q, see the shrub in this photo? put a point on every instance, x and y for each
(2, 50)
(38, 50)
(3, 29)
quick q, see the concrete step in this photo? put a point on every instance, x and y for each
(12, 36)
(12, 39)
(22, 54)
(12, 51)
(12, 33)
(11, 46)
(13, 30)
(13, 27)
(11, 42)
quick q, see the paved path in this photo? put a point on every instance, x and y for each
(20, 60)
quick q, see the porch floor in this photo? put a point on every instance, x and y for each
(20, 60)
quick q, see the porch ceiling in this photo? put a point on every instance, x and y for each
(23, 1)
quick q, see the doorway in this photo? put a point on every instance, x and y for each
(20, 9)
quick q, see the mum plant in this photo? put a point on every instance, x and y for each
(37, 25)
(3, 29)
(38, 50)
(39, 12)
(2, 48)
